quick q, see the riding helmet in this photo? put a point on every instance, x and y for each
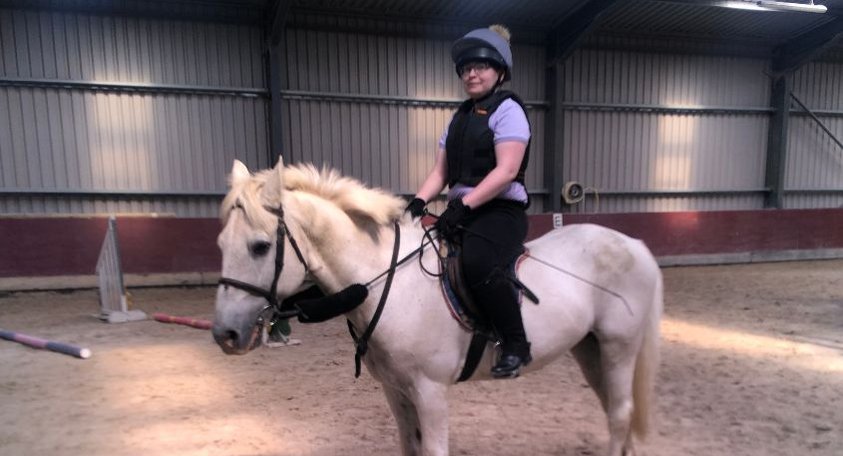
(490, 44)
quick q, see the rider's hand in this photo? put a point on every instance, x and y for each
(416, 207)
(451, 218)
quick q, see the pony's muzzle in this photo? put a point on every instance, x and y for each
(234, 342)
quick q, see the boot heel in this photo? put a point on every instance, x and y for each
(510, 366)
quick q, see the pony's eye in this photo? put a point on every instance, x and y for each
(259, 248)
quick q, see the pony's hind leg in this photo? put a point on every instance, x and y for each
(617, 362)
(587, 354)
(407, 419)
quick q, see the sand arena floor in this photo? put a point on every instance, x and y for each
(752, 364)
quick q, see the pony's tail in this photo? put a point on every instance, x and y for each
(647, 364)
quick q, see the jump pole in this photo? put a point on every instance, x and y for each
(36, 342)
(192, 322)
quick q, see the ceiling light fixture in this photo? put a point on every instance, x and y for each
(788, 6)
(771, 5)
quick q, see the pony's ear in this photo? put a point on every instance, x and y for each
(274, 186)
(239, 172)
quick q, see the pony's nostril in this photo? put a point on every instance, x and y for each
(225, 338)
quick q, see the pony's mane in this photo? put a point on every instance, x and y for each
(348, 194)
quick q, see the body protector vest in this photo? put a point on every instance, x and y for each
(470, 145)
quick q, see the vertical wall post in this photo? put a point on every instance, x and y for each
(276, 137)
(562, 41)
(276, 77)
(553, 140)
(777, 142)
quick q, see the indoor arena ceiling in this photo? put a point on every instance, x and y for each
(702, 20)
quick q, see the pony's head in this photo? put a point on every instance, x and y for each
(260, 259)
(273, 223)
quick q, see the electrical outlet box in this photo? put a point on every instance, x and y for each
(557, 220)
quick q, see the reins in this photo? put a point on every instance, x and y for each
(406, 258)
(362, 342)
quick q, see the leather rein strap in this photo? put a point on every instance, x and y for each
(362, 342)
(269, 294)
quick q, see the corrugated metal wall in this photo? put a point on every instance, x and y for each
(127, 115)
(374, 107)
(115, 114)
(814, 160)
(665, 132)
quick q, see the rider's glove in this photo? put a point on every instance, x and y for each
(416, 207)
(449, 221)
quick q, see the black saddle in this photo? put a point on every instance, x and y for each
(454, 281)
(466, 310)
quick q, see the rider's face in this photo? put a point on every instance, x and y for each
(478, 78)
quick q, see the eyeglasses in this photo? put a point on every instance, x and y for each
(466, 68)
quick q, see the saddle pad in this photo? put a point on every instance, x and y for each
(457, 309)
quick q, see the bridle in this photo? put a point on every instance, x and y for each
(269, 294)
(276, 308)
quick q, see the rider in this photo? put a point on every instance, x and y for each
(482, 158)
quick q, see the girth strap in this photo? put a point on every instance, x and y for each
(362, 342)
(475, 352)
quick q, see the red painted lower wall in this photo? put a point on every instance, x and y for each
(32, 247)
(719, 232)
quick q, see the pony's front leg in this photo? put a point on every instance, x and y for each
(407, 419)
(431, 404)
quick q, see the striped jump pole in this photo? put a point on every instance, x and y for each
(192, 322)
(37, 342)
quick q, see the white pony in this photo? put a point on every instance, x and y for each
(600, 296)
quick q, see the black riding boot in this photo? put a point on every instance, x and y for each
(499, 300)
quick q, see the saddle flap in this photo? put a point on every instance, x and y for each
(454, 290)
(456, 279)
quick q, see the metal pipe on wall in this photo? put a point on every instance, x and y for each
(386, 99)
(132, 87)
(97, 193)
(665, 109)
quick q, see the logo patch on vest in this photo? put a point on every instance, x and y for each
(480, 111)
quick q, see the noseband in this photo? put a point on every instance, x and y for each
(270, 295)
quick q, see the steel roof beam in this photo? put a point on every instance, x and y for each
(278, 11)
(567, 35)
(791, 55)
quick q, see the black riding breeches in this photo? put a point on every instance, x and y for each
(493, 238)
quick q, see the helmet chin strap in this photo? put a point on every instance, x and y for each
(499, 82)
